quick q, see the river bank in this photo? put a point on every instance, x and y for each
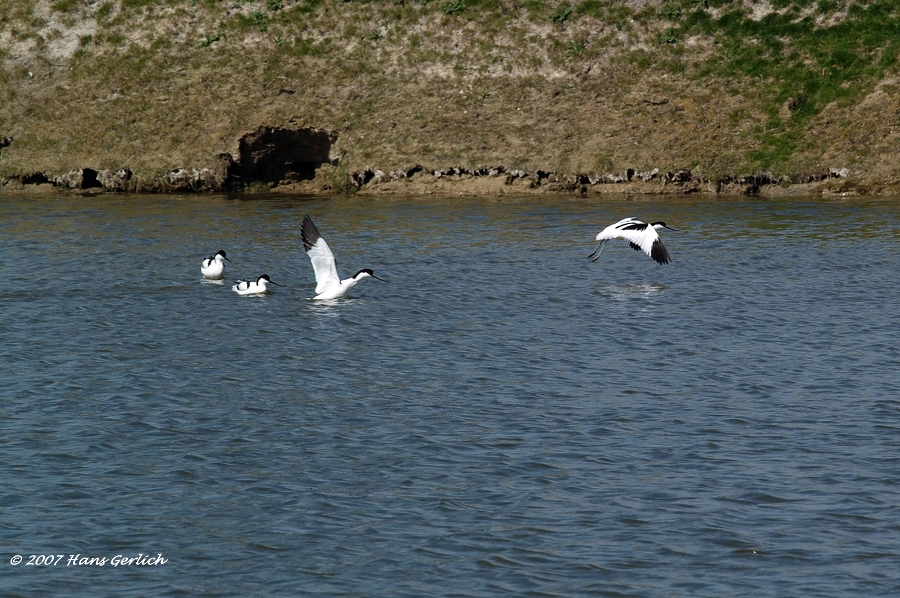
(462, 181)
(484, 96)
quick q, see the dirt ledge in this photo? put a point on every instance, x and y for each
(229, 176)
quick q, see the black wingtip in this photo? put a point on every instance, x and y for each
(309, 233)
(659, 253)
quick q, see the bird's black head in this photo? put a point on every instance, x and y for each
(367, 272)
(222, 253)
(662, 224)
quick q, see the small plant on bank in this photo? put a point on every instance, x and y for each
(668, 37)
(209, 40)
(453, 7)
(259, 20)
(671, 11)
(576, 47)
(561, 14)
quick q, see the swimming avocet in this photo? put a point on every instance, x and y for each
(246, 287)
(328, 284)
(214, 267)
(640, 235)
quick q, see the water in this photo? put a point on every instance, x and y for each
(502, 417)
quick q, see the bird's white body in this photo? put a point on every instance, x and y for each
(328, 284)
(640, 236)
(341, 288)
(214, 267)
(249, 287)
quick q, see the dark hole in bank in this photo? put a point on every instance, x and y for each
(274, 155)
(36, 178)
(89, 178)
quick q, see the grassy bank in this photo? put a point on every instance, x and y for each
(724, 89)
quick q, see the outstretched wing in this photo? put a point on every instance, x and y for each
(319, 254)
(614, 231)
(659, 253)
(641, 236)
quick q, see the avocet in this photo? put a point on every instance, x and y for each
(640, 236)
(249, 287)
(328, 284)
(214, 267)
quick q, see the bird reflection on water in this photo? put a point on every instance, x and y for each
(623, 292)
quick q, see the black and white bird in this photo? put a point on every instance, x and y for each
(328, 284)
(214, 267)
(640, 235)
(249, 287)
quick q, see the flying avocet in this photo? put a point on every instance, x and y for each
(214, 267)
(248, 287)
(328, 284)
(640, 235)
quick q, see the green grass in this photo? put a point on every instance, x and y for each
(115, 39)
(16, 9)
(104, 11)
(65, 5)
(307, 7)
(789, 59)
(141, 3)
(304, 47)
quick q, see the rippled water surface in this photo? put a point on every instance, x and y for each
(501, 417)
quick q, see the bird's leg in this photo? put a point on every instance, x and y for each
(596, 254)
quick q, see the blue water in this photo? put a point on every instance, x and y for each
(501, 417)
